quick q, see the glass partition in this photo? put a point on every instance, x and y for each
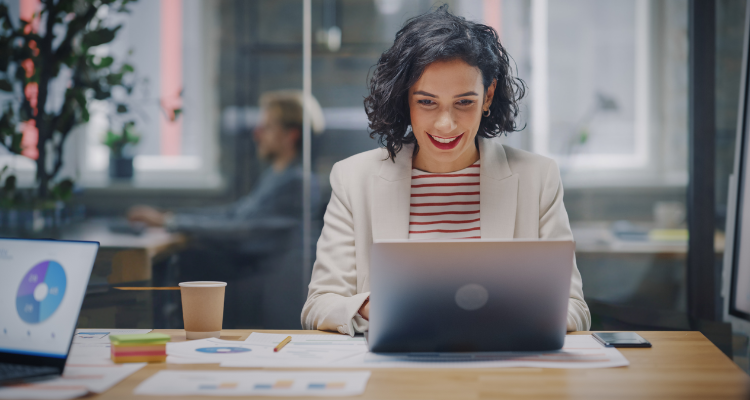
(607, 100)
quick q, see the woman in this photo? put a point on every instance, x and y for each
(436, 99)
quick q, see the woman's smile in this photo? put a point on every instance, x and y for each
(445, 143)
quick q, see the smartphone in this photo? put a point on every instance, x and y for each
(621, 339)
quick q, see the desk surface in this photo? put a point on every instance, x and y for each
(153, 240)
(680, 365)
(598, 238)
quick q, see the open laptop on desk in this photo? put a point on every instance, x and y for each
(469, 295)
(42, 285)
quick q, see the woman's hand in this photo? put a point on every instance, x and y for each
(364, 311)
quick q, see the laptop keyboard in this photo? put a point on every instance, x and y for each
(13, 372)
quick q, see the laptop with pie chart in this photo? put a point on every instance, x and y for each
(42, 286)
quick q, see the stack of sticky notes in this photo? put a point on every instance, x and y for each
(147, 347)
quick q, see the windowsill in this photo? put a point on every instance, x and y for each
(622, 179)
(154, 181)
(149, 175)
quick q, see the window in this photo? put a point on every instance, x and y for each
(174, 53)
(595, 87)
(178, 72)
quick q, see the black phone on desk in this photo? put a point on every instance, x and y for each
(621, 339)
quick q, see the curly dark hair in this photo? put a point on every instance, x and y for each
(439, 36)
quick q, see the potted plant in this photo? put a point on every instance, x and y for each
(121, 151)
(59, 43)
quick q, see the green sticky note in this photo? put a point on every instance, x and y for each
(143, 338)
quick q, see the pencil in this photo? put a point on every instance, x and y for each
(282, 344)
(148, 288)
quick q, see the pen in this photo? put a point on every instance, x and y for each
(282, 344)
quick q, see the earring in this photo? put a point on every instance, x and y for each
(486, 113)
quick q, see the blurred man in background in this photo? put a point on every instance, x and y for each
(255, 243)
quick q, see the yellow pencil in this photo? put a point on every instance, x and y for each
(282, 344)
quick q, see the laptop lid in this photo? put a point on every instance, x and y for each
(42, 286)
(469, 295)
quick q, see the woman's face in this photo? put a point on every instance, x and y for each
(446, 106)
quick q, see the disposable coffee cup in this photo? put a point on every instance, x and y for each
(202, 308)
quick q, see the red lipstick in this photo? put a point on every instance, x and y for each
(446, 146)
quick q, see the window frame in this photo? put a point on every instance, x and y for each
(640, 168)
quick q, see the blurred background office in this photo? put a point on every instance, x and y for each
(608, 100)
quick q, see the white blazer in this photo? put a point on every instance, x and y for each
(521, 196)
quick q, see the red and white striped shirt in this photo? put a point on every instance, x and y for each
(445, 205)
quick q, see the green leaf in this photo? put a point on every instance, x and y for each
(15, 145)
(5, 54)
(6, 120)
(5, 85)
(114, 79)
(10, 184)
(127, 68)
(25, 112)
(122, 108)
(111, 139)
(99, 36)
(102, 93)
(130, 135)
(63, 190)
(106, 62)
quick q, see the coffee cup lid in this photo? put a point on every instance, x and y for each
(203, 284)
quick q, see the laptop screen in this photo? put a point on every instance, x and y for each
(42, 285)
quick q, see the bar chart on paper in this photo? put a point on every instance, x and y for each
(246, 383)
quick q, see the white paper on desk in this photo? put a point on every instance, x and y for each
(89, 353)
(102, 335)
(327, 340)
(211, 351)
(579, 351)
(254, 383)
(302, 351)
(77, 380)
(41, 392)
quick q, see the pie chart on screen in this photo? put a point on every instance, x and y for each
(41, 291)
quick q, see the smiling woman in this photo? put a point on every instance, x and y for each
(437, 98)
(427, 49)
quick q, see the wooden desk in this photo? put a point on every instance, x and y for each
(131, 256)
(681, 365)
(122, 260)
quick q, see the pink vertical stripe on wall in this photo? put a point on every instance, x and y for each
(30, 132)
(492, 10)
(27, 10)
(171, 76)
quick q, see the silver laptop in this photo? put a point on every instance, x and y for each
(469, 295)
(42, 285)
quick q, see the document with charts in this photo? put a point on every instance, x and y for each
(210, 351)
(77, 380)
(254, 383)
(579, 351)
(302, 351)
